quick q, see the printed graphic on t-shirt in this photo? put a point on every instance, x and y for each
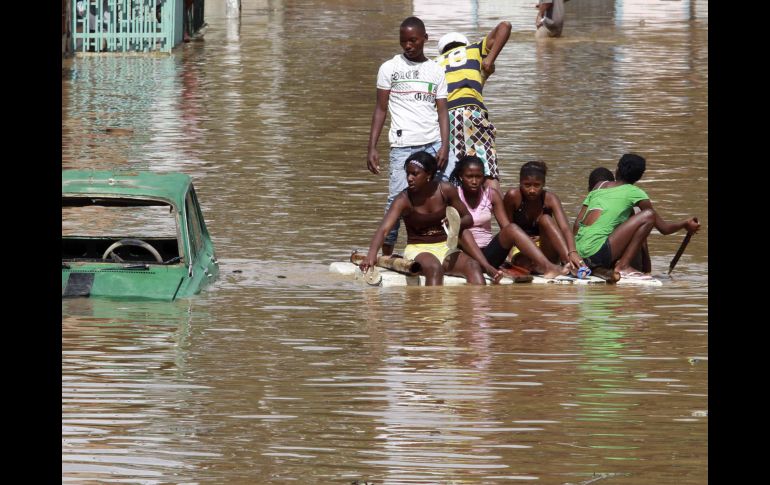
(408, 85)
(413, 90)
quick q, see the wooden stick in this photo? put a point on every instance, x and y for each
(402, 265)
(680, 251)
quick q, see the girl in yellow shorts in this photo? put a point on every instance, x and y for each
(423, 207)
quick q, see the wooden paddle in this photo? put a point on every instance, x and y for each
(679, 253)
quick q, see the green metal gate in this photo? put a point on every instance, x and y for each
(126, 25)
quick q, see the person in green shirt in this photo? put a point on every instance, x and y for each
(598, 178)
(608, 234)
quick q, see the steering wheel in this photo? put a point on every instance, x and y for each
(131, 242)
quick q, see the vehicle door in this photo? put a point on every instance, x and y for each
(203, 259)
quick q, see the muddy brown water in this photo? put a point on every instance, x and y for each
(283, 372)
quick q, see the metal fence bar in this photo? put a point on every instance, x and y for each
(133, 12)
(167, 30)
(128, 25)
(140, 26)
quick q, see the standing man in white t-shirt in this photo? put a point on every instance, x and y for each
(413, 88)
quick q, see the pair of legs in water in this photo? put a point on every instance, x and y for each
(627, 245)
(455, 264)
(461, 264)
(628, 240)
(512, 235)
(552, 245)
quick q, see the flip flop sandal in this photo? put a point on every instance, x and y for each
(452, 227)
(516, 271)
(583, 272)
(635, 275)
(372, 277)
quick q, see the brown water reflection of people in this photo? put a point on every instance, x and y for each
(190, 101)
(475, 328)
(456, 319)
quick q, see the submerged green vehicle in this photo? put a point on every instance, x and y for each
(133, 235)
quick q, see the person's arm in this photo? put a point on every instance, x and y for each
(443, 125)
(542, 8)
(665, 227)
(579, 218)
(552, 200)
(467, 242)
(388, 221)
(511, 201)
(498, 209)
(471, 248)
(378, 120)
(496, 40)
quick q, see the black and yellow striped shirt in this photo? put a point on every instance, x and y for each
(464, 77)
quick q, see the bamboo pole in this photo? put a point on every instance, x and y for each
(402, 265)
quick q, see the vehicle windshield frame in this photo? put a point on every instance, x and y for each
(124, 200)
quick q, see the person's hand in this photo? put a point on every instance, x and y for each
(487, 68)
(571, 268)
(367, 263)
(692, 225)
(575, 260)
(442, 157)
(373, 161)
(494, 273)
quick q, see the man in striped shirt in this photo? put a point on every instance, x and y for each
(467, 67)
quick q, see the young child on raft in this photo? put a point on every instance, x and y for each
(608, 234)
(482, 202)
(599, 177)
(540, 214)
(423, 207)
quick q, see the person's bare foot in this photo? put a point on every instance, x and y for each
(626, 269)
(554, 270)
(494, 273)
(609, 275)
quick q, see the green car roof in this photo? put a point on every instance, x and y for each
(170, 187)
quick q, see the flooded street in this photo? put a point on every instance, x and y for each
(285, 372)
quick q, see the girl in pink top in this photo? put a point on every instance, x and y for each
(482, 203)
(422, 206)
